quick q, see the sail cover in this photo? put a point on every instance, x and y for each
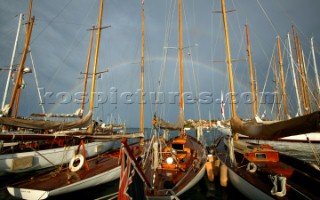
(46, 125)
(171, 126)
(274, 130)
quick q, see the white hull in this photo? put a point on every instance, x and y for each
(246, 188)
(101, 178)
(313, 137)
(28, 161)
(194, 181)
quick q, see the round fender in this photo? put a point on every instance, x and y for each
(76, 157)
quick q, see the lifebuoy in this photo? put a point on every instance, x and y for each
(251, 167)
(81, 162)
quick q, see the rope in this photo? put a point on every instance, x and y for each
(42, 156)
(314, 151)
(265, 13)
(265, 82)
(37, 83)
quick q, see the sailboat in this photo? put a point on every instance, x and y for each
(258, 170)
(81, 172)
(32, 146)
(302, 109)
(170, 167)
(294, 136)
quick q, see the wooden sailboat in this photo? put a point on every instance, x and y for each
(257, 170)
(170, 168)
(313, 136)
(278, 126)
(81, 172)
(36, 148)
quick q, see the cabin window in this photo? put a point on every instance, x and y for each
(261, 156)
(177, 146)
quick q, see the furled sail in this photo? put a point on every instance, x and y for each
(171, 126)
(78, 113)
(274, 130)
(46, 125)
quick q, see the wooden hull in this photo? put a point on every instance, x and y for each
(35, 160)
(171, 182)
(101, 178)
(102, 169)
(302, 180)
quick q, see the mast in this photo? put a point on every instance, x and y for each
(294, 76)
(229, 63)
(277, 85)
(87, 72)
(255, 82)
(181, 62)
(283, 86)
(316, 71)
(142, 76)
(254, 101)
(96, 60)
(298, 60)
(17, 99)
(21, 67)
(11, 62)
(304, 79)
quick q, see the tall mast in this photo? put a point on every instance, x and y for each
(277, 85)
(283, 86)
(87, 71)
(96, 59)
(294, 76)
(254, 101)
(316, 71)
(142, 76)
(229, 63)
(304, 78)
(255, 83)
(11, 62)
(17, 98)
(301, 81)
(181, 61)
(21, 67)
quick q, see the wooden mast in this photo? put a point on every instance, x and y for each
(255, 83)
(142, 77)
(283, 85)
(304, 78)
(21, 68)
(181, 62)
(93, 84)
(254, 101)
(301, 81)
(229, 63)
(276, 82)
(294, 76)
(87, 72)
(17, 100)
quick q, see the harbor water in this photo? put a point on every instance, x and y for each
(203, 190)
